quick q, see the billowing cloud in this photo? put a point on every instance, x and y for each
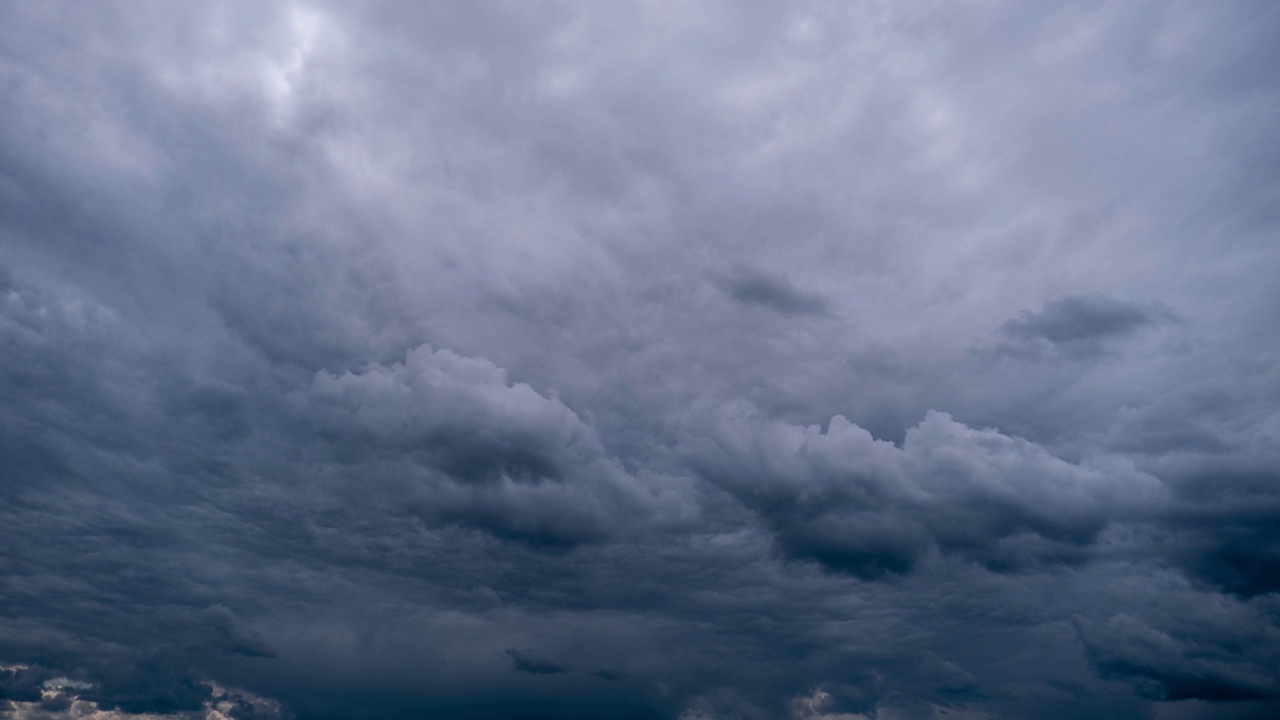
(868, 507)
(477, 447)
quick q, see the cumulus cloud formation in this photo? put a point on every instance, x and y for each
(865, 506)
(481, 449)
(633, 360)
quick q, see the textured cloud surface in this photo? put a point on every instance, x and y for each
(865, 506)
(698, 361)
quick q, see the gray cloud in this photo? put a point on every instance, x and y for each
(1081, 325)
(778, 362)
(1232, 540)
(776, 293)
(511, 460)
(868, 507)
(1166, 668)
(528, 661)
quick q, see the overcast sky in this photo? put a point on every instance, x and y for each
(644, 360)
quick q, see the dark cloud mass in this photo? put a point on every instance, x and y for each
(864, 506)
(528, 661)
(1079, 319)
(777, 293)
(697, 361)
(1081, 325)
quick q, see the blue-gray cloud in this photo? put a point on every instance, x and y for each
(865, 506)
(762, 361)
(776, 293)
(528, 661)
(1082, 325)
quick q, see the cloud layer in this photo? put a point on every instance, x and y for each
(639, 360)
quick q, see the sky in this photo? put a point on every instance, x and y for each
(641, 360)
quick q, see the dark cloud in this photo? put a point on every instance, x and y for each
(1080, 326)
(1230, 540)
(744, 362)
(1163, 667)
(478, 448)
(774, 292)
(1240, 557)
(22, 682)
(528, 661)
(224, 630)
(871, 508)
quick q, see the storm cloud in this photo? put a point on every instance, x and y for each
(692, 361)
(863, 505)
